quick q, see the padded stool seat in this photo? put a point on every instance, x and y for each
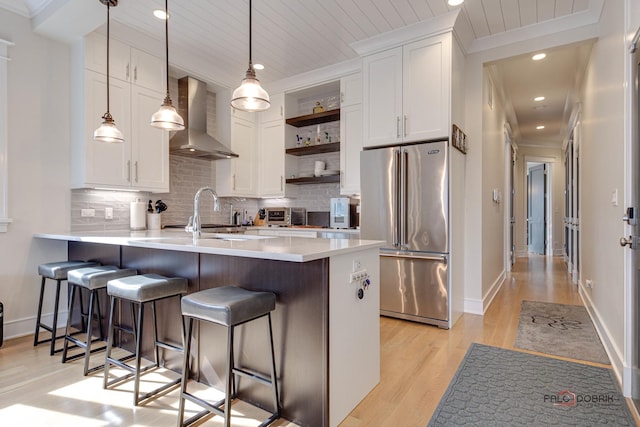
(227, 306)
(146, 287)
(140, 289)
(92, 279)
(55, 271)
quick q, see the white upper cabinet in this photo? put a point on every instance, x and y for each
(407, 92)
(142, 161)
(271, 148)
(272, 159)
(238, 177)
(125, 63)
(350, 133)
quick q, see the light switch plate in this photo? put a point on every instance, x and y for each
(108, 213)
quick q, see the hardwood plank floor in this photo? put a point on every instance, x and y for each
(417, 361)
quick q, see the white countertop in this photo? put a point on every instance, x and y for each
(296, 249)
(306, 228)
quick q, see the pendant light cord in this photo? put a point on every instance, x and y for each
(250, 38)
(108, 114)
(166, 38)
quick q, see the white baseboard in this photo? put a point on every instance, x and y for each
(27, 326)
(614, 353)
(475, 306)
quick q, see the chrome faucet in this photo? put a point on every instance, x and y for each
(194, 225)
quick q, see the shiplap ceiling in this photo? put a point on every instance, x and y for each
(291, 37)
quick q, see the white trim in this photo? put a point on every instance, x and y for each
(614, 353)
(4, 137)
(26, 326)
(475, 306)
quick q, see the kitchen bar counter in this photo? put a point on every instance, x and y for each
(263, 247)
(326, 333)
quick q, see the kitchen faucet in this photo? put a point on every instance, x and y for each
(194, 226)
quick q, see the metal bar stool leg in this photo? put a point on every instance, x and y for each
(39, 316)
(186, 344)
(65, 346)
(110, 334)
(54, 324)
(274, 378)
(136, 386)
(87, 352)
(155, 334)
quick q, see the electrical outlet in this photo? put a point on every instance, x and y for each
(357, 265)
(589, 284)
(358, 276)
(108, 213)
(87, 212)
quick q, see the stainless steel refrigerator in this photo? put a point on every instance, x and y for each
(405, 201)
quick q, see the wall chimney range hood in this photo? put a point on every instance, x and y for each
(194, 140)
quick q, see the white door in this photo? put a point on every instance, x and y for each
(537, 209)
(631, 240)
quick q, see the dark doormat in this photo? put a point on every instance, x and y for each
(498, 387)
(559, 329)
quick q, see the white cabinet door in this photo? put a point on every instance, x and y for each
(150, 148)
(382, 98)
(276, 111)
(244, 169)
(105, 164)
(148, 71)
(95, 56)
(426, 86)
(350, 147)
(272, 159)
(351, 90)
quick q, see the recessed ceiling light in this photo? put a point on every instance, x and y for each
(455, 2)
(160, 14)
(258, 67)
(539, 107)
(538, 98)
(539, 56)
(540, 127)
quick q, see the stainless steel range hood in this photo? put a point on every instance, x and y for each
(194, 140)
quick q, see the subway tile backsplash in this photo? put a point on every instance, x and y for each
(187, 176)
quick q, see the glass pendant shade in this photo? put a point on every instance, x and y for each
(108, 132)
(250, 96)
(167, 118)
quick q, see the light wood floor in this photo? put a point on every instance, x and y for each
(418, 362)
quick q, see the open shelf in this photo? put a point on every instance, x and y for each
(330, 147)
(315, 119)
(314, 180)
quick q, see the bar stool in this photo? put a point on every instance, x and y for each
(141, 289)
(93, 279)
(228, 306)
(55, 271)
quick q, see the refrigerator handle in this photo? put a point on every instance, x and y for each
(402, 217)
(395, 197)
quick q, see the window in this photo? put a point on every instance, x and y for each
(4, 169)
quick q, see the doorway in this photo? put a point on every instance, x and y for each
(537, 206)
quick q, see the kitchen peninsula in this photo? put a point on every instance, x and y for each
(326, 326)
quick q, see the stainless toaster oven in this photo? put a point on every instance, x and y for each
(285, 216)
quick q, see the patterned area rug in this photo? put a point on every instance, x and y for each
(559, 329)
(498, 387)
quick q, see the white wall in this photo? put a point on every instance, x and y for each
(601, 172)
(38, 158)
(493, 177)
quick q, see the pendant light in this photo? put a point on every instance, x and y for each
(167, 117)
(108, 132)
(250, 96)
